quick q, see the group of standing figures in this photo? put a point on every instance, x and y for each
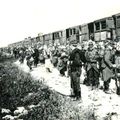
(98, 62)
(32, 56)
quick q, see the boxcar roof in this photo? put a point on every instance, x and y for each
(103, 19)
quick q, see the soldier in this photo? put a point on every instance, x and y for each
(107, 65)
(15, 52)
(29, 59)
(21, 55)
(91, 67)
(36, 56)
(42, 58)
(62, 64)
(75, 72)
(55, 57)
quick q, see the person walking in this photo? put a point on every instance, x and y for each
(107, 67)
(29, 59)
(91, 66)
(75, 72)
(36, 57)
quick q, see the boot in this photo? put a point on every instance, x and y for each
(118, 91)
(106, 86)
(78, 96)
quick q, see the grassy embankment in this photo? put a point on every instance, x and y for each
(18, 89)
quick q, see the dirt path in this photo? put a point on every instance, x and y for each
(100, 103)
(53, 80)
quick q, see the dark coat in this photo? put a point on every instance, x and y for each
(75, 71)
(36, 53)
(75, 57)
(81, 54)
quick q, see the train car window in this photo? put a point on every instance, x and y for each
(55, 35)
(103, 24)
(79, 30)
(61, 34)
(74, 31)
(97, 26)
(67, 33)
(58, 35)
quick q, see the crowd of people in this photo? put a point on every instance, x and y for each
(99, 60)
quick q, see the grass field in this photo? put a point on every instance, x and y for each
(39, 102)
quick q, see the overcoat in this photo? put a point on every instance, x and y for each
(75, 71)
(107, 62)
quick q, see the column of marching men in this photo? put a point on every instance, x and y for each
(101, 61)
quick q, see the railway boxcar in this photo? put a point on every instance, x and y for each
(48, 39)
(100, 30)
(72, 35)
(58, 37)
(104, 29)
(84, 33)
(116, 18)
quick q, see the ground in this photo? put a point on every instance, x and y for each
(104, 106)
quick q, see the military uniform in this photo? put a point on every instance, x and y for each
(107, 65)
(36, 57)
(55, 57)
(21, 55)
(92, 68)
(75, 72)
(29, 58)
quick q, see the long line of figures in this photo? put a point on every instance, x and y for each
(99, 62)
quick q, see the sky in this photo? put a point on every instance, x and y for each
(20, 19)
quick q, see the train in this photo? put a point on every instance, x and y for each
(105, 29)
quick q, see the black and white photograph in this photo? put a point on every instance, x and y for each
(60, 60)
